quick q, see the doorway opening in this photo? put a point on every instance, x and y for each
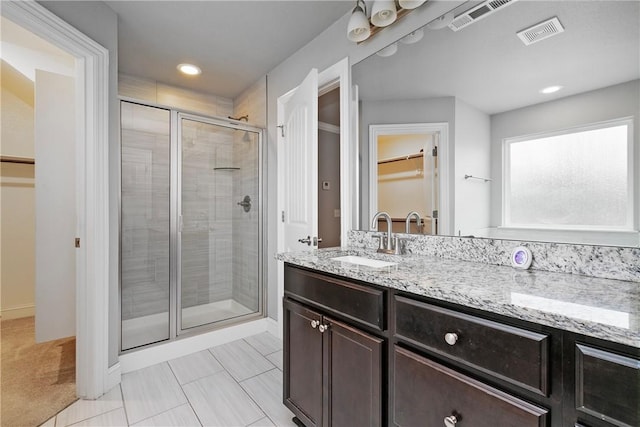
(38, 285)
(329, 167)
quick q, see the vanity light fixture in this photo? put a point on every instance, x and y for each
(388, 51)
(358, 28)
(413, 37)
(383, 13)
(410, 4)
(189, 69)
(550, 89)
(441, 22)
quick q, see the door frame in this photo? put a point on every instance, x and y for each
(376, 130)
(337, 75)
(93, 375)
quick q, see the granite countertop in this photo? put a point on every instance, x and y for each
(601, 308)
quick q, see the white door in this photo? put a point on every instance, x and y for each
(55, 206)
(299, 133)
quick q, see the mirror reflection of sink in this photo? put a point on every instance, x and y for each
(373, 263)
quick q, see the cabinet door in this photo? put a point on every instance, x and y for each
(302, 363)
(354, 366)
(429, 394)
(607, 387)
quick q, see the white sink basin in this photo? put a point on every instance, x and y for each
(373, 263)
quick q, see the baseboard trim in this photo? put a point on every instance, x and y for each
(184, 346)
(273, 327)
(113, 378)
(18, 312)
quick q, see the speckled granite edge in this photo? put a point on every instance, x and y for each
(570, 302)
(605, 262)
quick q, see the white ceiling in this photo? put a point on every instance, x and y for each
(26, 52)
(487, 66)
(234, 42)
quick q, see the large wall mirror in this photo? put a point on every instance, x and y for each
(541, 100)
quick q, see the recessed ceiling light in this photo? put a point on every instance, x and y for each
(189, 69)
(550, 89)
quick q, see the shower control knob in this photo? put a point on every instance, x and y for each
(315, 323)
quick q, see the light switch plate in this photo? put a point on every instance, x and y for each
(326, 185)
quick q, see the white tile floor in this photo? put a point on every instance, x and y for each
(234, 384)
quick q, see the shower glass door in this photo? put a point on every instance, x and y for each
(144, 252)
(218, 222)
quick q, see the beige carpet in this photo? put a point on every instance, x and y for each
(38, 380)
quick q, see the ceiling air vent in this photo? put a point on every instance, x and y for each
(541, 31)
(480, 11)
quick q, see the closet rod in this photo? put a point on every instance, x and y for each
(477, 177)
(22, 160)
(401, 158)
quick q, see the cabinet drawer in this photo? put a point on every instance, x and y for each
(607, 386)
(515, 355)
(425, 393)
(362, 303)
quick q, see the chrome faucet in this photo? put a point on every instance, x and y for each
(387, 246)
(408, 222)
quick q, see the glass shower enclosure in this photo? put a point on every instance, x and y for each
(191, 224)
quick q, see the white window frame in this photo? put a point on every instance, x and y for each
(631, 224)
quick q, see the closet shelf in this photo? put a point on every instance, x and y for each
(401, 158)
(226, 168)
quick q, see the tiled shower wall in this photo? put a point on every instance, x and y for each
(209, 203)
(145, 214)
(206, 214)
(251, 102)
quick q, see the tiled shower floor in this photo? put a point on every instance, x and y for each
(234, 384)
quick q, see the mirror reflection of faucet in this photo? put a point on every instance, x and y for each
(407, 223)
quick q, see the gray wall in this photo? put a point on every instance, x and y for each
(96, 20)
(472, 157)
(609, 103)
(325, 50)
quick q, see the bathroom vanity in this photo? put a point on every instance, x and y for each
(435, 342)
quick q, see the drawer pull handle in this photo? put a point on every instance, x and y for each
(450, 421)
(323, 328)
(451, 338)
(315, 323)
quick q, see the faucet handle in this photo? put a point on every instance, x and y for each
(401, 246)
(383, 240)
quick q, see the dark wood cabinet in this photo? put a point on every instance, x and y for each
(363, 355)
(303, 364)
(513, 354)
(429, 394)
(607, 387)
(333, 370)
(353, 361)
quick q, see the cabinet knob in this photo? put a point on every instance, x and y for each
(315, 323)
(323, 328)
(451, 338)
(450, 421)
